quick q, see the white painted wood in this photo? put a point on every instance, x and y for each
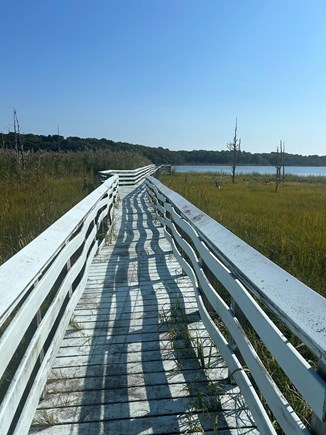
(29, 277)
(29, 360)
(128, 177)
(16, 330)
(27, 415)
(242, 270)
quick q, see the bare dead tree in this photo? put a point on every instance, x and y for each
(16, 135)
(59, 138)
(282, 158)
(3, 143)
(280, 171)
(19, 142)
(234, 147)
(217, 182)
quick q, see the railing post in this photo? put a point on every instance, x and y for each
(318, 427)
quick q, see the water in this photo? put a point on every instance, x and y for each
(293, 170)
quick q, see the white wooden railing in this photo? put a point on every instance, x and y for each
(39, 289)
(255, 294)
(129, 177)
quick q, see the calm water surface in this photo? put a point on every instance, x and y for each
(294, 170)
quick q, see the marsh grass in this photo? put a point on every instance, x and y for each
(51, 183)
(288, 227)
(45, 419)
(74, 325)
(30, 206)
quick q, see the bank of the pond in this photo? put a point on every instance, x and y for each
(293, 170)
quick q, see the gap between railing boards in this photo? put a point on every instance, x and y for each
(252, 309)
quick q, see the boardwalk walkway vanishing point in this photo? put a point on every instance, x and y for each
(136, 357)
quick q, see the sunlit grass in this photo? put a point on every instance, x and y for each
(288, 227)
(30, 207)
(32, 198)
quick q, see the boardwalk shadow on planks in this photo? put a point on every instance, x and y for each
(123, 371)
(134, 386)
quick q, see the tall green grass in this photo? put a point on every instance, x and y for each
(288, 227)
(30, 206)
(32, 198)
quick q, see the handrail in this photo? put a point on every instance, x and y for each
(208, 252)
(39, 289)
(129, 177)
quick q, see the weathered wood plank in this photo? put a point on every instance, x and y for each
(137, 409)
(136, 354)
(228, 399)
(176, 425)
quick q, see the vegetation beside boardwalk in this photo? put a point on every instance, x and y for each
(288, 227)
(34, 197)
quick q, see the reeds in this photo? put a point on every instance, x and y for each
(31, 199)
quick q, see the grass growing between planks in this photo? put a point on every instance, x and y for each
(288, 227)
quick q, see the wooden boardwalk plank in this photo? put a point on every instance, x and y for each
(136, 357)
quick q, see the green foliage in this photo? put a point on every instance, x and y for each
(287, 227)
(158, 155)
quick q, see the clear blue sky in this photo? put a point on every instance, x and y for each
(171, 73)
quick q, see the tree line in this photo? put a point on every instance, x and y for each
(157, 155)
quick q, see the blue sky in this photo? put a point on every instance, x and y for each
(171, 73)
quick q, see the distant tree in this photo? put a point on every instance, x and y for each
(280, 172)
(59, 138)
(282, 160)
(234, 147)
(19, 142)
(3, 142)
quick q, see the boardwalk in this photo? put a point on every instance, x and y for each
(136, 358)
